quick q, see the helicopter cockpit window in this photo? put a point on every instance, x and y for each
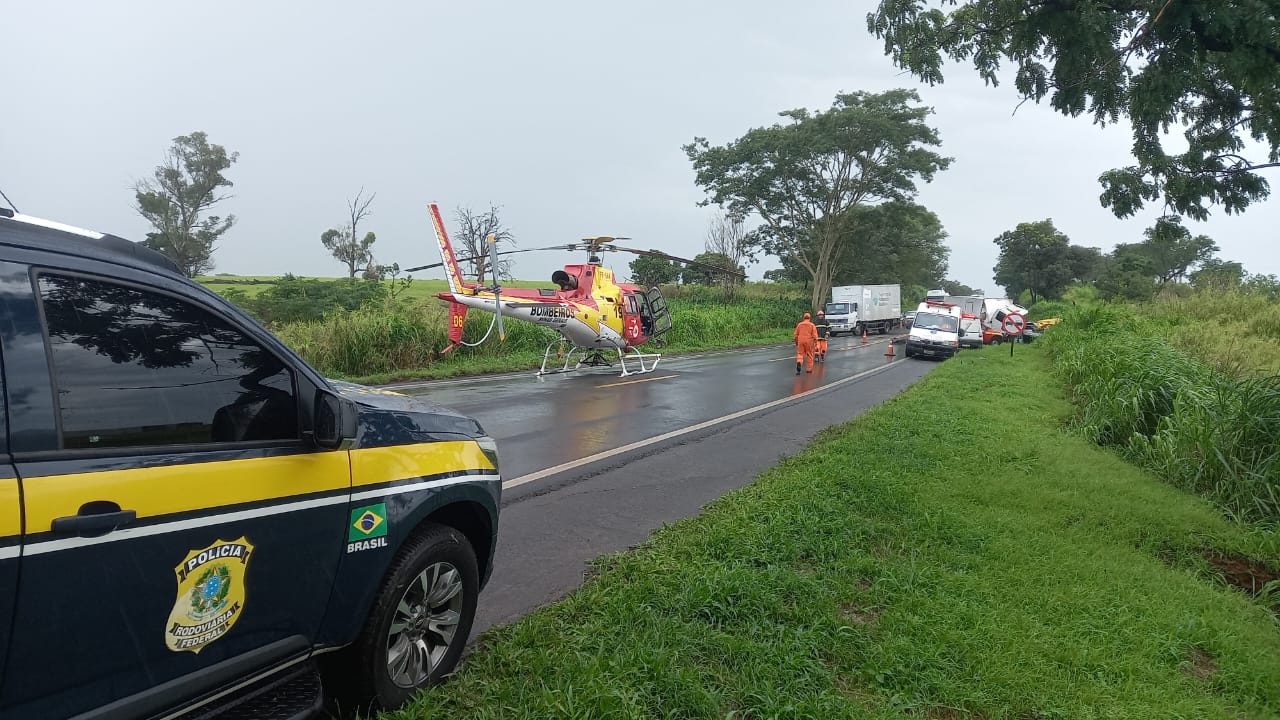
(633, 307)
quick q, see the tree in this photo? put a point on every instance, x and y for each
(345, 243)
(695, 275)
(727, 235)
(790, 272)
(1218, 274)
(473, 238)
(1206, 65)
(175, 199)
(1035, 257)
(648, 271)
(801, 178)
(1173, 251)
(1127, 273)
(953, 287)
(1085, 263)
(893, 242)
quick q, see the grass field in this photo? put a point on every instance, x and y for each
(954, 553)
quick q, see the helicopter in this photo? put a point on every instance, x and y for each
(594, 315)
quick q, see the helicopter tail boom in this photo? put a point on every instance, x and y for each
(452, 272)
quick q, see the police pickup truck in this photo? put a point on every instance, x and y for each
(194, 523)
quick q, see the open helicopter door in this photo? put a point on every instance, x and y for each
(661, 313)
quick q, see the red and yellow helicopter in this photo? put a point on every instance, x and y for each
(593, 314)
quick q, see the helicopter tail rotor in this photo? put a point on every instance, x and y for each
(497, 285)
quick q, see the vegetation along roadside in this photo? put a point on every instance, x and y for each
(918, 559)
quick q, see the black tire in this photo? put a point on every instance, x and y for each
(367, 665)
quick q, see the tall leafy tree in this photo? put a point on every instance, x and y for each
(801, 177)
(1172, 249)
(1208, 66)
(894, 242)
(474, 229)
(1085, 263)
(1034, 256)
(177, 198)
(648, 271)
(1127, 273)
(1218, 274)
(345, 243)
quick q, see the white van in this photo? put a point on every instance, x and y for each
(935, 332)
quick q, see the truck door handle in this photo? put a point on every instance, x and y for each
(95, 518)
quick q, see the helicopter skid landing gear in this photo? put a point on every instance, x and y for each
(639, 358)
(595, 357)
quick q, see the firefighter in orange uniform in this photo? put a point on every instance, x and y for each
(806, 342)
(824, 329)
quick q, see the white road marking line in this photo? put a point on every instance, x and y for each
(538, 475)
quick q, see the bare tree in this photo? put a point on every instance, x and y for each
(727, 235)
(345, 243)
(473, 236)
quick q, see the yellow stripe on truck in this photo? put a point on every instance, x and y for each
(10, 508)
(404, 462)
(185, 487)
(196, 486)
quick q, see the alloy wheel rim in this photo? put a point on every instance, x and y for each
(424, 624)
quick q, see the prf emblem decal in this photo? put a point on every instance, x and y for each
(211, 592)
(368, 528)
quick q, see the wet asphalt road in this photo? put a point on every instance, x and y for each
(593, 462)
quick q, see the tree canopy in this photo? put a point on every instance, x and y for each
(1039, 258)
(649, 271)
(177, 197)
(892, 243)
(1208, 66)
(802, 177)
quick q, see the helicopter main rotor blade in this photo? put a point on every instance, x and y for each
(504, 252)
(695, 263)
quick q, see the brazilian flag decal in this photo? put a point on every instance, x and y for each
(368, 522)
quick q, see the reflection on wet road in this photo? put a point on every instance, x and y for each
(544, 422)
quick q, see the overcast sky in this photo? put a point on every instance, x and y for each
(569, 115)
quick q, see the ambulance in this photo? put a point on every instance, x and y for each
(936, 331)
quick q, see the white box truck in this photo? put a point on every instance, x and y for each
(878, 308)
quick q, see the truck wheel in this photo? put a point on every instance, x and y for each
(420, 620)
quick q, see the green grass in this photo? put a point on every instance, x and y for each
(1201, 427)
(953, 553)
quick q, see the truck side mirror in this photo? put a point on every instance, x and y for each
(960, 333)
(334, 425)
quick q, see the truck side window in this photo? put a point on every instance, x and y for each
(134, 368)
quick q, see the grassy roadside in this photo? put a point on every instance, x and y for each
(953, 553)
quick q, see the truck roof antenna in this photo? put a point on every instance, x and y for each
(6, 199)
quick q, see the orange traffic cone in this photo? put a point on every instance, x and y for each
(864, 334)
(889, 350)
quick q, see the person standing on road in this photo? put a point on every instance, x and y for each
(806, 340)
(824, 329)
